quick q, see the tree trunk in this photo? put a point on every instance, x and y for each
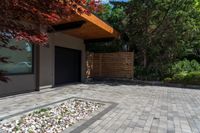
(145, 58)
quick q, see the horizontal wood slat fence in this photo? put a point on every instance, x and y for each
(110, 65)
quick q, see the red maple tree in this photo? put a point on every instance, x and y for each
(29, 19)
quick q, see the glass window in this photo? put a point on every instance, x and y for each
(20, 61)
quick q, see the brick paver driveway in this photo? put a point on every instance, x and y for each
(140, 108)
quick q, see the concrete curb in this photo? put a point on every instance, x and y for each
(152, 83)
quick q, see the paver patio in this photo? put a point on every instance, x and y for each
(139, 108)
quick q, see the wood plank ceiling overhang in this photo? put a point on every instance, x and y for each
(88, 27)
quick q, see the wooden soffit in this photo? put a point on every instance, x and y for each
(92, 28)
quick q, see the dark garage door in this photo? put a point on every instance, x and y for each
(67, 65)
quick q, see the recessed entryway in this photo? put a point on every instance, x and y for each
(67, 65)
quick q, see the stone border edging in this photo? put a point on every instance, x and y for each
(94, 118)
(46, 105)
(31, 109)
(78, 129)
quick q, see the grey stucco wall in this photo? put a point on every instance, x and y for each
(19, 83)
(47, 56)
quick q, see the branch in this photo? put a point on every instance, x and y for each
(163, 19)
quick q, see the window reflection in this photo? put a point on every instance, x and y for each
(20, 61)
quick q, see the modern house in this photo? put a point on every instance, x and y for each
(62, 62)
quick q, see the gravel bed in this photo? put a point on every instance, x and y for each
(52, 119)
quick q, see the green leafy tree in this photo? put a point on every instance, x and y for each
(161, 31)
(114, 15)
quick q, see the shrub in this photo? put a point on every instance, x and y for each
(168, 79)
(185, 66)
(185, 72)
(193, 78)
(154, 72)
(185, 78)
(180, 76)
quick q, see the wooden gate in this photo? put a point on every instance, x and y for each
(110, 65)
